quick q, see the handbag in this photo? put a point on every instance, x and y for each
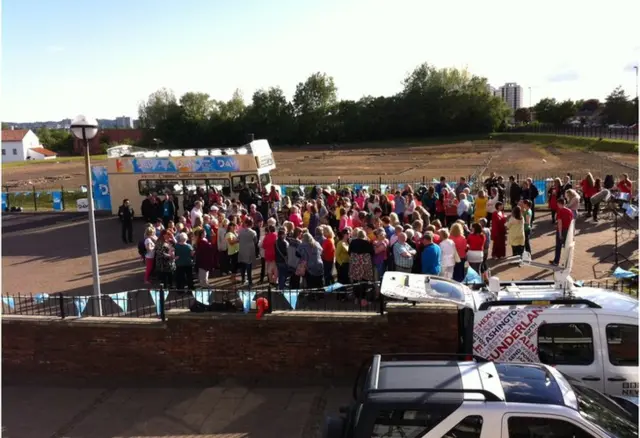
(301, 269)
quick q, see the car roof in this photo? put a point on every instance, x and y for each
(446, 384)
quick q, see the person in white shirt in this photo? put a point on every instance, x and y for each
(448, 253)
(196, 211)
(149, 257)
(410, 207)
(463, 207)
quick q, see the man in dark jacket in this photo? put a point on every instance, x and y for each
(514, 191)
(148, 209)
(168, 210)
(125, 213)
(533, 194)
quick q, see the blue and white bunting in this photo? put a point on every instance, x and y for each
(383, 188)
(473, 277)
(81, 304)
(155, 296)
(580, 283)
(620, 273)
(246, 298)
(10, 302)
(202, 296)
(39, 298)
(292, 297)
(122, 300)
(333, 287)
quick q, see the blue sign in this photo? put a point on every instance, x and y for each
(541, 185)
(175, 165)
(57, 200)
(100, 183)
(4, 201)
(216, 164)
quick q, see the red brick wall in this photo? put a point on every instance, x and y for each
(225, 346)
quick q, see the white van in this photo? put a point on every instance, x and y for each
(590, 334)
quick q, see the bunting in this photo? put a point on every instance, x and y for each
(122, 300)
(202, 296)
(333, 287)
(39, 298)
(246, 298)
(292, 297)
(620, 273)
(10, 302)
(383, 188)
(81, 304)
(473, 277)
(155, 297)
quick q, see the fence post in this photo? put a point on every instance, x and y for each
(62, 196)
(381, 302)
(338, 182)
(61, 302)
(35, 203)
(6, 188)
(269, 295)
(162, 315)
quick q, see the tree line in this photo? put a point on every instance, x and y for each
(433, 102)
(618, 108)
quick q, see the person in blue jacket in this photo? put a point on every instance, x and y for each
(430, 256)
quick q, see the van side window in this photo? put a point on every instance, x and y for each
(527, 427)
(565, 344)
(469, 427)
(622, 344)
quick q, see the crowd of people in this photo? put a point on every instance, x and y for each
(351, 236)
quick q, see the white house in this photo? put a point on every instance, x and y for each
(21, 145)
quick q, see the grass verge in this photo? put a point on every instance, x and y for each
(587, 143)
(57, 160)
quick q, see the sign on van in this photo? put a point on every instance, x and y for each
(82, 204)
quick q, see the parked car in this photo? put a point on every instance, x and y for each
(430, 396)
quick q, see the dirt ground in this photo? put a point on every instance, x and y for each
(48, 253)
(402, 162)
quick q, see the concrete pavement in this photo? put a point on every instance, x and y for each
(229, 410)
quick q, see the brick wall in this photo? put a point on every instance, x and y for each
(304, 345)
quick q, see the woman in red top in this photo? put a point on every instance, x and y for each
(476, 241)
(269, 247)
(451, 208)
(499, 232)
(587, 185)
(295, 217)
(554, 193)
(328, 254)
(597, 187)
(457, 235)
(624, 185)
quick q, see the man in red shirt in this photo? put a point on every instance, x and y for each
(564, 216)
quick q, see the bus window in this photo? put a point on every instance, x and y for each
(220, 184)
(239, 182)
(265, 179)
(192, 185)
(147, 186)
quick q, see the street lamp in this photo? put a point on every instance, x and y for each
(85, 128)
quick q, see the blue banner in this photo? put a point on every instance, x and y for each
(333, 287)
(10, 302)
(122, 300)
(541, 185)
(57, 200)
(246, 298)
(173, 165)
(81, 304)
(100, 183)
(620, 273)
(4, 201)
(292, 297)
(155, 296)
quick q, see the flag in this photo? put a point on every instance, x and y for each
(333, 287)
(122, 300)
(10, 302)
(292, 297)
(202, 296)
(39, 298)
(81, 304)
(155, 296)
(246, 298)
(620, 273)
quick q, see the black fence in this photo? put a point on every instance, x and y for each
(621, 133)
(155, 303)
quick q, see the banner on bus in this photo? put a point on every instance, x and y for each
(177, 165)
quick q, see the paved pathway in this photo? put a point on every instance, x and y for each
(228, 410)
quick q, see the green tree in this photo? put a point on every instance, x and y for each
(620, 109)
(57, 140)
(196, 106)
(157, 108)
(590, 105)
(522, 115)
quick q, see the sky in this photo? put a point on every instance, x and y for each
(61, 58)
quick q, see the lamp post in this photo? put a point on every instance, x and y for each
(85, 128)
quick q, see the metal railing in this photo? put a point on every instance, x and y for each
(154, 303)
(621, 133)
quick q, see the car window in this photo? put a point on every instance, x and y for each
(405, 423)
(622, 344)
(469, 427)
(527, 427)
(565, 344)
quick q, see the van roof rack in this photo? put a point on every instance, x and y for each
(538, 302)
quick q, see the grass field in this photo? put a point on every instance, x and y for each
(589, 143)
(57, 160)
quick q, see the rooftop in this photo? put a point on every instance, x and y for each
(13, 134)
